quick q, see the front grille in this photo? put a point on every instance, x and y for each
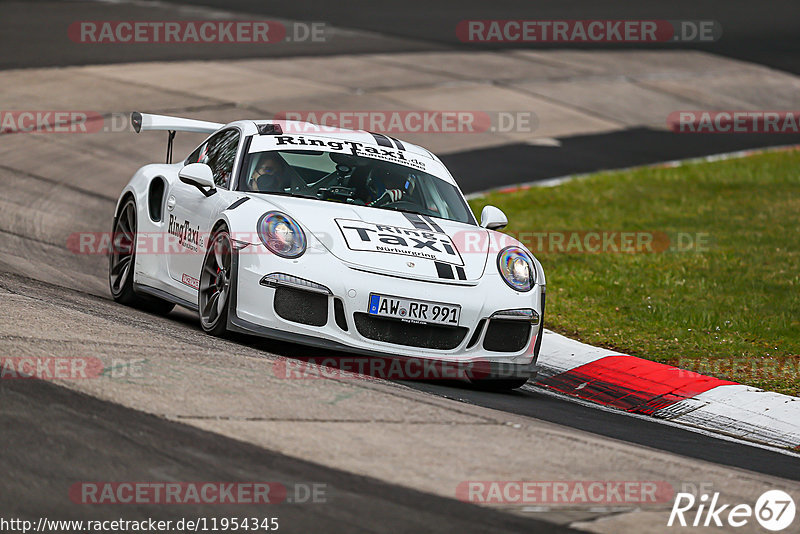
(427, 336)
(506, 336)
(304, 307)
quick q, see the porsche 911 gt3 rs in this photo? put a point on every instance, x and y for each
(345, 240)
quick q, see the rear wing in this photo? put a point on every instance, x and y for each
(146, 122)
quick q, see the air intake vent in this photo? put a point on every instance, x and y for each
(507, 335)
(302, 307)
(269, 129)
(426, 336)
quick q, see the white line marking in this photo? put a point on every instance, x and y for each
(561, 396)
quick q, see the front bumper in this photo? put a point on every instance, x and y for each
(253, 311)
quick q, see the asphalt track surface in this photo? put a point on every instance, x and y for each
(538, 405)
(52, 436)
(511, 164)
(766, 32)
(769, 35)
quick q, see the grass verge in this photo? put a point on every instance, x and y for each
(710, 280)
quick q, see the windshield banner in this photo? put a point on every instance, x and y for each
(306, 142)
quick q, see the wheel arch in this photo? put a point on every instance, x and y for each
(220, 223)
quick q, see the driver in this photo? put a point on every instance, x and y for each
(397, 194)
(271, 174)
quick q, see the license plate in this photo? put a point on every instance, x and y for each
(415, 311)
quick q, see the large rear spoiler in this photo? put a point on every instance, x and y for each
(147, 122)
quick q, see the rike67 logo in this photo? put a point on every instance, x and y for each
(774, 510)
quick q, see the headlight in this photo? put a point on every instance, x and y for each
(281, 235)
(516, 267)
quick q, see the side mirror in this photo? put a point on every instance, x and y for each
(200, 176)
(493, 218)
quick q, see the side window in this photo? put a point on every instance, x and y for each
(198, 155)
(219, 153)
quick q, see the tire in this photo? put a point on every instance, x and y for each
(214, 294)
(507, 384)
(122, 258)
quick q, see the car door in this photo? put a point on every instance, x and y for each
(191, 213)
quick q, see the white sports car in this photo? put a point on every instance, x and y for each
(339, 239)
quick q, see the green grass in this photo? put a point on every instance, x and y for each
(729, 309)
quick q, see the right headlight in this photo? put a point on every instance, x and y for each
(517, 269)
(281, 234)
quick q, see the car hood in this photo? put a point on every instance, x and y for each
(390, 242)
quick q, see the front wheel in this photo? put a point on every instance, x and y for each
(215, 284)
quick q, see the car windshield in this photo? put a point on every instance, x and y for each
(351, 179)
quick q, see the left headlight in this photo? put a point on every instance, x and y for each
(517, 269)
(281, 235)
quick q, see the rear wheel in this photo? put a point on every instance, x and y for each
(121, 260)
(215, 284)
